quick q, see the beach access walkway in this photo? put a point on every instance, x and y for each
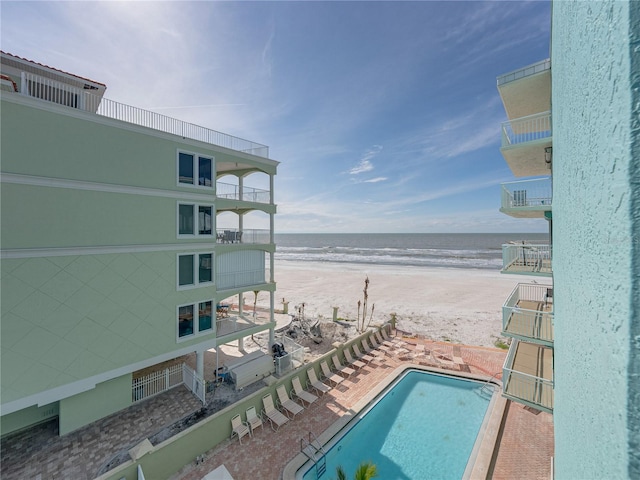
(525, 444)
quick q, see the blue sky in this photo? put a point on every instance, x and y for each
(384, 115)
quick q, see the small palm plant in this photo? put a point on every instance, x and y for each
(365, 471)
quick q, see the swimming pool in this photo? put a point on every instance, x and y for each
(424, 426)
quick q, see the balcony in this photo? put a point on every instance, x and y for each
(527, 198)
(527, 259)
(45, 89)
(524, 141)
(229, 191)
(527, 375)
(527, 90)
(528, 314)
(247, 236)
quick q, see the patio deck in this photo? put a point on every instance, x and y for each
(526, 443)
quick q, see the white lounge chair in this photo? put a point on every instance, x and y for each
(300, 393)
(379, 343)
(239, 428)
(329, 375)
(341, 369)
(291, 408)
(254, 419)
(362, 356)
(276, 417)
(351, 361)
(316, 384)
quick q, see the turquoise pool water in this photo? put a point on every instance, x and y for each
(424, 427)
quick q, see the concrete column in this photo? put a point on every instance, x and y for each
(272, 305)
(271, 199)
(200, 363)
(272, 336)
(241, 343)
(240, 302)
(240, 188)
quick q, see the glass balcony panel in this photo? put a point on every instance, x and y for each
(528, 313)
(527, 375)
(526, 258)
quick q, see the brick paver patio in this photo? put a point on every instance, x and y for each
(524, 452)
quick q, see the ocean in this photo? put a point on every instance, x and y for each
(452, 250)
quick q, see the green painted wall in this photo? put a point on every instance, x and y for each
(593, 220)
(70, 317)
(29, 416)
(87, 407)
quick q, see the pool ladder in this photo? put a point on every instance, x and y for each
(486, 384)
(313, 450)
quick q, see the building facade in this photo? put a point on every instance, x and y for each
(581, 359)
(124, 232)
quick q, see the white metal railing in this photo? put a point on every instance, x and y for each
(526, 129)
(535, 322)
(246, 235)
(226, 281)
(527, 193)
(194, 383)
(527, 71)
(522, 386)
(526, 258)
(249, 194)
(156, 382)
(57, 92)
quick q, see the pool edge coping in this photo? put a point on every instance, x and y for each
(489, 430)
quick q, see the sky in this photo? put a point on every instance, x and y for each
(384, 115)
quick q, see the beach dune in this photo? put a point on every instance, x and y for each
(451, 304)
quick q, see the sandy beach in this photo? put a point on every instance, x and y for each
(451, 304)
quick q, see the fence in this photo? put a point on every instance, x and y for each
(526, 129)
(194, 383)
(249, 194)
(527, 312)
(156, 382)
(63, 94)
(293, 359)
(536, 193)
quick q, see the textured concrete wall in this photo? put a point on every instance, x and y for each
(593, 228)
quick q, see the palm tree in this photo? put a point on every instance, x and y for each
(365, 471)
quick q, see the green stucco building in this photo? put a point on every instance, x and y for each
(581, 355)
(124, 234)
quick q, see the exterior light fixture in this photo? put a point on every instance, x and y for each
(548, 153)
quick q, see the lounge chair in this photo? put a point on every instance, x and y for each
(379, 343)
(351, 361)
(239, 428)
(362, 356)
(369, 351)
(301, 394)
(276, 417)
(253, 419)
(393, 341)
(291, 408)
(329, 375)
(341, 369)
(316, 384)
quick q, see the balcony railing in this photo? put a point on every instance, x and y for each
(529, 389)
(523, 72)
(533, 194)
(232, 192)
(528, 313)
(57, 92)
(526, 259)
(526, 129)
(246, 236)
(226, 281)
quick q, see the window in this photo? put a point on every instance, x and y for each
(185, 321)
(204, 220)
(189, 264)
(190, 325)
(204, 316)
(195, 170)
(185, 168)
(204, 275)
(185, 270)
(195, 219)
(185, 219)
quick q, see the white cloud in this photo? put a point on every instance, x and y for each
(375, 180)
(365, 164)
